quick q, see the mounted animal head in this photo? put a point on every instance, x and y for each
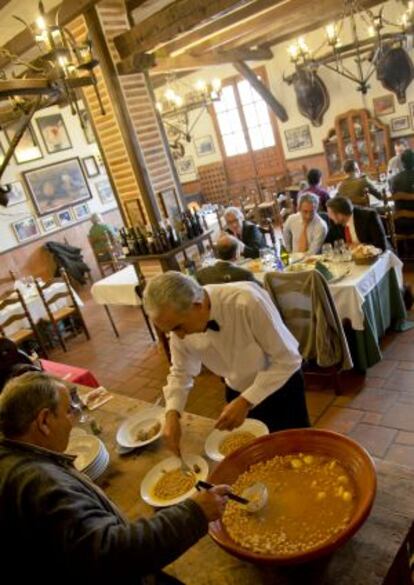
(395, 70)
(312, 96)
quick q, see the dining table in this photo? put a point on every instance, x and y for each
(378, 554)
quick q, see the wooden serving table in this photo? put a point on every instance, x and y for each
(376, 555)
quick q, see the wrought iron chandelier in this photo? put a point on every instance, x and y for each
(381, 50)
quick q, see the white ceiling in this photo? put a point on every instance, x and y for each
(26, 9)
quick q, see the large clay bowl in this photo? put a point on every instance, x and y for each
(354, 457)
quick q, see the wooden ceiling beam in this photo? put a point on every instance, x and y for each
(132, 5)
(23, 41)
(4, 3)
(175, 19)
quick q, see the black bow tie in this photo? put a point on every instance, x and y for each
(213, 325)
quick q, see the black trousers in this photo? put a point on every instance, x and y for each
(284, 409)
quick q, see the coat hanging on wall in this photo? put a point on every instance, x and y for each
(311, 95)
(395, 70)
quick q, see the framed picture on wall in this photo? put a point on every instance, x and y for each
(411, 110)
(2, 153)
(399, 124)
(204, 145)
(26, 229)
(54, 133)
(169, 204)
(28, 148)
(87, 127)
(135, 212)
(104, 189)
(57, 186)
(17, 194)
(82, 211)
(65, 217)
(298, 138)
(383, 105)
(185, 166)
(49, 223)
(91, 168)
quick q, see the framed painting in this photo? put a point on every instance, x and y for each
(383, 105)
(54, 133)
(298, 138)
(49, 223)
(87, 127)
(56, 186)
(91, 167)
(65, 217)
(204, 145)
(185, 166)
(169, 204)
(104, 189)
(81, 211)
(16, 194)
(135, 212)
(26, 229)
(399, 124)
(28, 148)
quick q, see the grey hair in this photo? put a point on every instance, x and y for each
(171, 289)
(96, 218)
(234, 211)
(308, 198)
(23, 398)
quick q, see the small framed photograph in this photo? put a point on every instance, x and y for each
(169, 204)
(49, 223)
(91, 168)
(106, 195)
(204, 145)
(399, 124)
(134, 211)
(384, 105)
(28, 148)
(81, 211)
(87, 127)
(185, 166)
(65, 217)
(298, 138)
(17, 194)
(54, 133)
(411, 110)
(26, 229)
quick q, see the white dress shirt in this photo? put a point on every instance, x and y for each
(254, 351)
(352, 230)
(316, 233)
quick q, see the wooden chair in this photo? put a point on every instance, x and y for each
(394, 215)
(54, 317)
(14, 297)
(109, 258)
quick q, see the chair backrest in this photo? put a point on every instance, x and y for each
(308, 310)
(395, 214)
(20, 312)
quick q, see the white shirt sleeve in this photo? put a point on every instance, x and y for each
(287, 235)
(279, 345)
(318, 239)
(184, 367)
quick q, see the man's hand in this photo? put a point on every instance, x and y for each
(213, 501)
(233, 415)
(172, 431)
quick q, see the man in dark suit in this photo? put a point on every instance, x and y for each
(354, 225)
(247, 232)
(227, 251)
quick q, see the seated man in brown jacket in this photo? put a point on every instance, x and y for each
(356, 187)
(52, 514)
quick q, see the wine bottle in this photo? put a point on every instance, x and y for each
(284, 254)
(199, 223)
(188, 227)
(130, 242)
(164, 238)
(124, 242)
(172, 235)
(141, 241)
(151, 243)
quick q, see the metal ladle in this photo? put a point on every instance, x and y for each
(254, 497)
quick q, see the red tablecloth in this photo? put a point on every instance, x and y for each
(70, 373)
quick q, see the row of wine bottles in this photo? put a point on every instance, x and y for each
(161, 238)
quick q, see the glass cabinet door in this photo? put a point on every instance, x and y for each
(360, 142)
(333, 156)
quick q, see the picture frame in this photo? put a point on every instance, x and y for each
(169, 204)
(204, 145)
(135, 212)
(105, 192)
(383, 105)
(81, 211)
(17, 194)
(28, 148)
(54, 133)
(65, 217)
(298, 138)
(91, 166)
(57, 186)
(26, 229)
(49, 223)
(185, 165)
(2, 153)
(400, 124)
(87, 127)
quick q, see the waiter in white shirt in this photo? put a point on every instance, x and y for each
(236, 332)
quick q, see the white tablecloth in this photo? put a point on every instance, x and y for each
(117, 288)
(36, 307)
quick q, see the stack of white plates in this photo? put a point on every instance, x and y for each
(92, 457)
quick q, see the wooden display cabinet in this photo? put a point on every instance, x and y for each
(359, 136)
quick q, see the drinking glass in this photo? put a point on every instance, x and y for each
(267, 257)
(327, 251)
(77, 405)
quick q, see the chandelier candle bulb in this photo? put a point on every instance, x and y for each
(216, 84)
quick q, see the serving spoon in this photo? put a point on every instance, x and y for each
(254, 497)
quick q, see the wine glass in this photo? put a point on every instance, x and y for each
(77, 405)
(327, 251)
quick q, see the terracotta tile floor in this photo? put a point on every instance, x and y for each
(377, 410)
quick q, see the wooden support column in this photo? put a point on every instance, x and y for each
(262, 90)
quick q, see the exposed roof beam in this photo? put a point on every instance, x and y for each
(132, 5)
(4, 3)
(176, 18)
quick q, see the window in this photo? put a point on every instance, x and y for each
(243, 119)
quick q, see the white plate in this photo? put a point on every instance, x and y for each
(152, 477)
(126, 435)
(213, 441)
(86, 448)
